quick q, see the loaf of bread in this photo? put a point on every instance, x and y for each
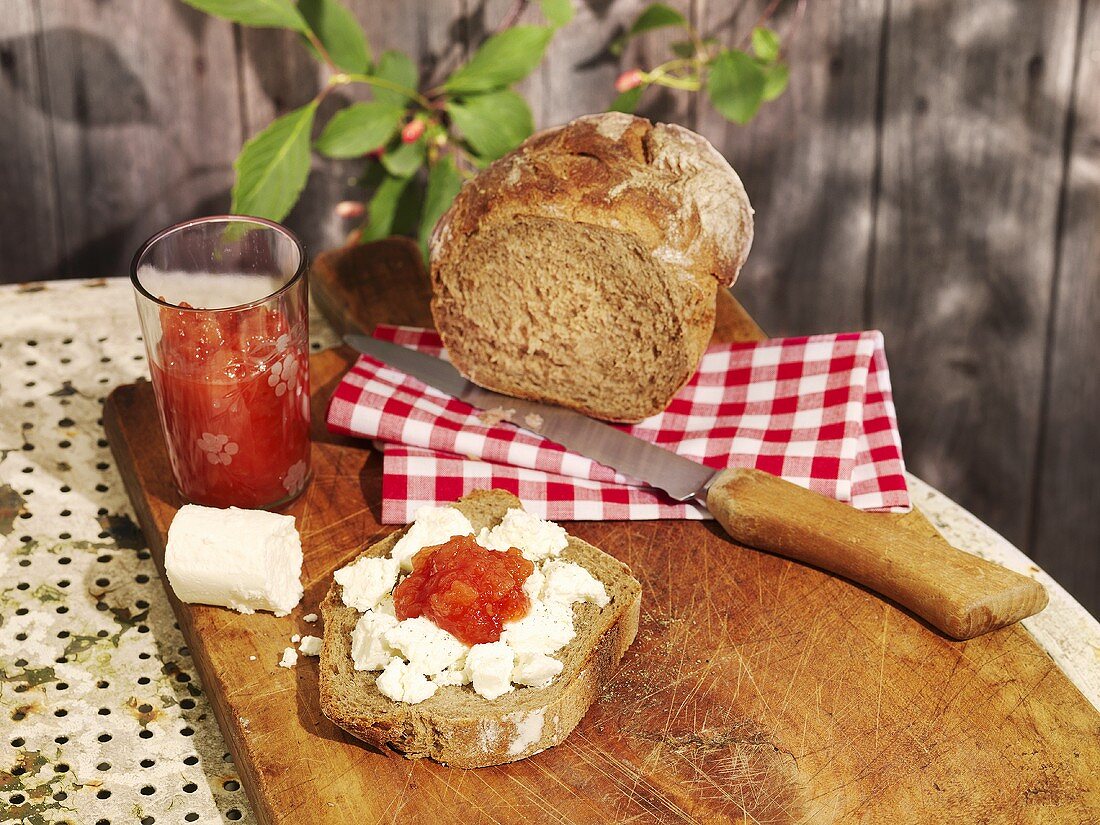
(456, 726)
(582, 268)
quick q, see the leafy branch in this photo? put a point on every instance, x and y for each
(736, 82)
(461, 121)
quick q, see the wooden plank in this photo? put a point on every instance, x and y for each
(145, 121)
(1067, 530)
(808, 164)
(29, 242)
(973, 124)
(758, 689)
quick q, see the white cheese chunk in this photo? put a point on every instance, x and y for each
(247, 560)
(431, 526)
(567, 583)
(453, 675)
(369, 648)
(295, 639)
(547, 627)
(290, 658)
(310, 618)
(532, 585)
(427, 647)
(489, 667)
(536, 669)
(402, 683)
(310, 646)
(535, 538)
(366, 581)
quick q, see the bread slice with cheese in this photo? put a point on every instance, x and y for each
(456, 726)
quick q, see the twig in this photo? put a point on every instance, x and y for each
(511, 16)
(799, 11)
(764, 17)
(321, 50)
(382, 83)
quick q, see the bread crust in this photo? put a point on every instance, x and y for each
(662, 187)
(456, 726)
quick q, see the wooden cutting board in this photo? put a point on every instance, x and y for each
(759, 690)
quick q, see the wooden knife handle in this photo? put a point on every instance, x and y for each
(961, 594)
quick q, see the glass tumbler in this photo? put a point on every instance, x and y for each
(223, 304)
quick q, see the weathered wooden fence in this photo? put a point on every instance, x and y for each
(933, 171)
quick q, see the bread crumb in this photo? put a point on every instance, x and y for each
(533, 421)
(310, 618)
(494, 416)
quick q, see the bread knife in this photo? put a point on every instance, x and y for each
(959, 593)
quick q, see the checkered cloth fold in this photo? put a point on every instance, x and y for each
(815, 410)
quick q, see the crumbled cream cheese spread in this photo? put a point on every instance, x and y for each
(416, 656)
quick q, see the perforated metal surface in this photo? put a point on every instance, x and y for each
(102, 715)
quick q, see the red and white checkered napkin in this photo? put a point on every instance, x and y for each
(817, 411)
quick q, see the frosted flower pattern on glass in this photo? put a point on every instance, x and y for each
(295, 477)
(282, 374)
(218, 448)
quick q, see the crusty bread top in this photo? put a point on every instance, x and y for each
(446, 726)
(663, 183)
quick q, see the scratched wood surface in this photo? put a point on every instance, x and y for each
(759, 690)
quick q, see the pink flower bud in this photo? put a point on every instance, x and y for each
(630, 79)
(350, 209)
(412, 131)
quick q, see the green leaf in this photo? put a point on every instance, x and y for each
(339, 32)
(735, 86)
(406, 217)
(502, 60)
(775, 80)
(405, 159)
(360, 128)
(683, 48)
(493, 124)
(444, 181)
(382, 207)
(398, 68)
(654, 16)
(557, 12)
(765, 44)
(273, 166)
(276, 14)
(687, 48)
(627, 101)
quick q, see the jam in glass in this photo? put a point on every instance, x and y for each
(224, 312)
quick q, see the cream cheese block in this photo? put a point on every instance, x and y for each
(247, 560)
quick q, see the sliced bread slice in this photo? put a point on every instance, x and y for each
(457, 726)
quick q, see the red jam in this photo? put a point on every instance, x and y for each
(233, 388)
(465, 589)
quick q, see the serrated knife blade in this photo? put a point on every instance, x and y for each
(680, 477)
